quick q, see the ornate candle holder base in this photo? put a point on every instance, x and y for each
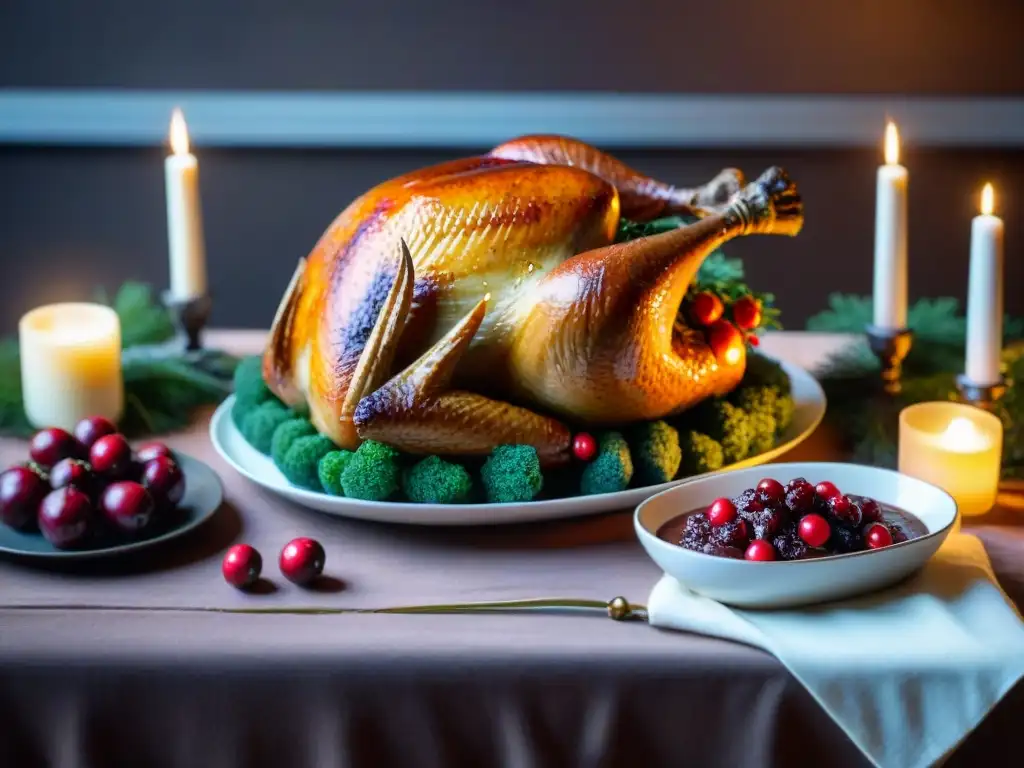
(190, 315)
(890, 346)
(982, 396)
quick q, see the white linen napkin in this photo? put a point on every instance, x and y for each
(907, 673)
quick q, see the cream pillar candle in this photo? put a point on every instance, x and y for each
(184, 216)
(985, 295)
(71, 364)
(890, 296)
(956, 447)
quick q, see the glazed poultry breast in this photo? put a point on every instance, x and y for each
(483, 301)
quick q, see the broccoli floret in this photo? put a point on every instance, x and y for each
(729, 425)
(655, 451)
(240, 410)
(512, 473)
(301, 461)
(249, 385)
(612, 468)
(329, 471)
(259, 424)
(372, 473)
(286, 434)
(759, 403)
(763, 429)
(762, 371)
(784, 407)
(701, 453)
(436, 481)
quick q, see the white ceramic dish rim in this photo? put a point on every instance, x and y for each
(532, 510)
(652, 536)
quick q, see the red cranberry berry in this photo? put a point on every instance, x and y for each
(127, 505)
(149, 451)
(870, 511)
(721, 511)
(800, 499)
(111, 455)
(706, 308)
(48, 446)
(72, 472)
(165, 481)
(726, 342)
(760, 550)
(746, 312)
(826, 490)
(302, 560)
(845, 511)
(771, 491)
(242, 566)
(91, 429)
(584, 446)
(65, 517)
(877, 536)
(814, 530)
(21, 490)
(798, 482)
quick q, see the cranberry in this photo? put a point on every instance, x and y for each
(870, 511)
(21, 490)
(771, 491)
(584, 446)
(127, 505)
(814, 530)
(242, 566)
(826, 490)
(721, 511)
(91, 429)
(760, 550)
(898, 535)
(149, 451)
(48, 446)
(800, 499)
(72, 472)
(726, 342)
(732, 534)
(706, 308)
(798, 482)
(877, 536)
(845, 511)
(302, 560)
(164, 480)
(111, 455)
(746, 311)
(65, 517)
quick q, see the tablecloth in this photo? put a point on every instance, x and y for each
(139, 679)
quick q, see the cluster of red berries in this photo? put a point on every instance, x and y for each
(85, 488)
(708, 310)
(301, 561)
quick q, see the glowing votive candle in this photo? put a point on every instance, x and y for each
(956, 447)
(71, 364)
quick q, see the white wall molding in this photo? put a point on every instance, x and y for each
(394, 120)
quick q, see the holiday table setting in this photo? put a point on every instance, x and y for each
(339, 543)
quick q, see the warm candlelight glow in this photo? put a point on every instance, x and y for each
(961, 436)
(988, 200)
(892, 144)
(179, 133)
(732, 355)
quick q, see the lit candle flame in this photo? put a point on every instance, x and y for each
(179, 133)
(487, 296)
(988, 200)
(962, 436)
(892, 144)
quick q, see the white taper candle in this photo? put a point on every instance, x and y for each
(890, 296)
(184, 216)
(985, 295)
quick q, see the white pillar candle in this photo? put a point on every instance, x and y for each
(985, 295)
(890, 299)
(70, 364)
(184, 216)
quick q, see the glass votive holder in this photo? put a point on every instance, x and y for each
(956, 447)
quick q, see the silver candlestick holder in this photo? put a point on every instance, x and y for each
(190, 317)
(890, 346)
(984, 396)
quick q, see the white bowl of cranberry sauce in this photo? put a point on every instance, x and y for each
(783, 535)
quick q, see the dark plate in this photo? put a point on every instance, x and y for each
(203, 495)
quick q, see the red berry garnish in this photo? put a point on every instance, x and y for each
(721, 511)
(706, 308)
(760, 550)
(844, 510)
(111, 455)
(826, 490)
(149, 451)
(302, 560)
(870, 511)
(746, 312)
(877, 536)
(65, 517)
(127, 505)
(165, 481)
(754, 341)
(726, 342)
(584, 446)
(21, 490)
(91, 429)
(72, 472)
(242, 566)
(771, 491)
(48, 446)
(814, 530)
